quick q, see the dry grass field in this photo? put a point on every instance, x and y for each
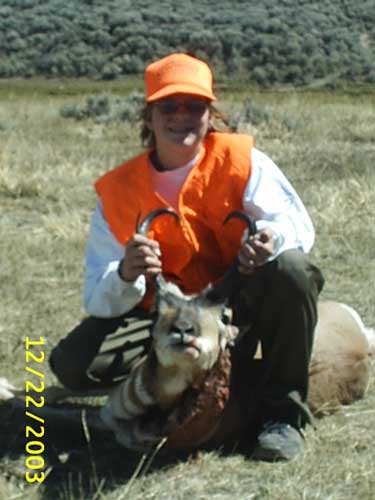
(324, 142)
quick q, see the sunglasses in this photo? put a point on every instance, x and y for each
(192, 106)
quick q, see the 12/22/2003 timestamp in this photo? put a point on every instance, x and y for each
(35, 424)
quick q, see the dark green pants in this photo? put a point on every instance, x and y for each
(276, 305)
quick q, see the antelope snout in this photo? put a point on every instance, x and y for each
(183, 327)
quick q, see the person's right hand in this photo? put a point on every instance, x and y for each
(142, 257)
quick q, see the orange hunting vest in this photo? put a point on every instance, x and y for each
(198, 250)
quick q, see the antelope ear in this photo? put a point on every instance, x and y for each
(226, 315)
(228, 335)
(162, 305)
(209, 296)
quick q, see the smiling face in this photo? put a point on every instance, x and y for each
(179, 124)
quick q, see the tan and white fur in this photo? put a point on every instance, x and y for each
(340, 367)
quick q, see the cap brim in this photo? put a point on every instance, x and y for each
(181, 89)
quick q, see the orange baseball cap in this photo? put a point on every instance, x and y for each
(178, 73)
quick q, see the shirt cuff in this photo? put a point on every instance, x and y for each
(136, 288)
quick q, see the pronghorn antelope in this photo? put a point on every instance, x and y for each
(190, 334)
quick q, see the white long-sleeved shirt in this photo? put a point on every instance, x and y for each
(268, 197)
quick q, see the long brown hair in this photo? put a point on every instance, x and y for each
(218, 123)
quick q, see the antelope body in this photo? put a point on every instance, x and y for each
(340, 367)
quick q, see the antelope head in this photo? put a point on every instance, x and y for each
(190, 330)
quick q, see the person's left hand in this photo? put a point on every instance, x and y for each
(256, 250)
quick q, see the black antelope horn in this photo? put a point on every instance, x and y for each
(142, 228)
(250, 222)
(232, 279)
